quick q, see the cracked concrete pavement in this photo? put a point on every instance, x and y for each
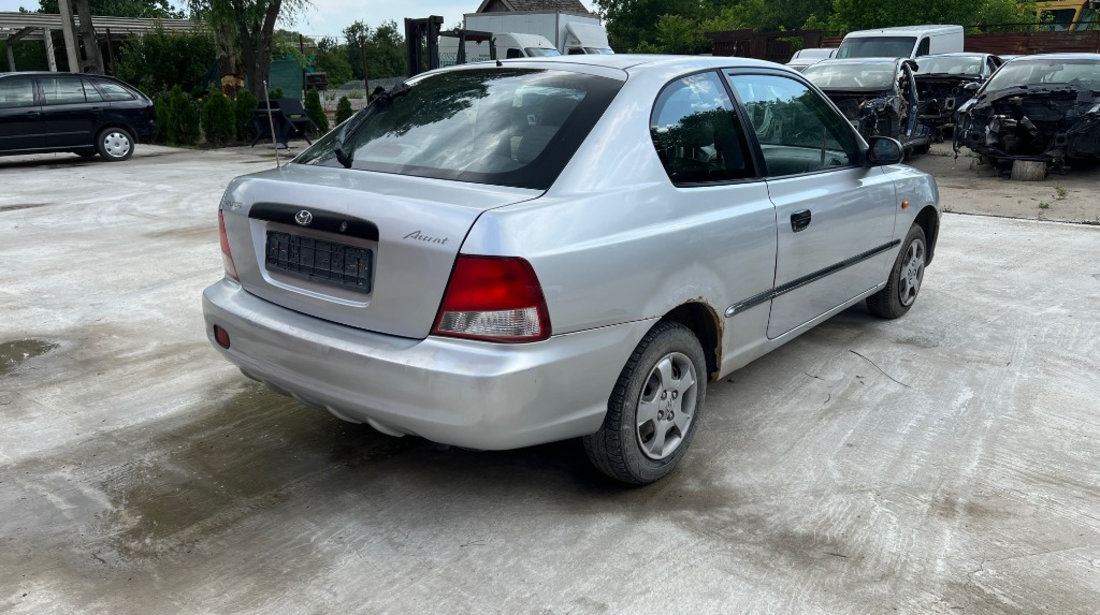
(946, 462)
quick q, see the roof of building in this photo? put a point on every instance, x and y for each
(534, 6)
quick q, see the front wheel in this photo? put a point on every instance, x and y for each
(654, 408)
(905, 278)
(115, 144)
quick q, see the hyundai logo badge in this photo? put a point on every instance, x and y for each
(303, 217)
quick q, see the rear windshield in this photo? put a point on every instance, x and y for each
(877, 47)
(861, 76)
(1083, 73)
(949, 65)
(504, 126)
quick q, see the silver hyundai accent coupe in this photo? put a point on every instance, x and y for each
(510, 253)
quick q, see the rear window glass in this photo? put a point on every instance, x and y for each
(1083, 73)
(949, 65)
(855, 76)
(504, 126)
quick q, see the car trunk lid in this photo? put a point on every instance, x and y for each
(368, 250)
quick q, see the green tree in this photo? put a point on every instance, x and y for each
(332, 60)
(315, 111)
(248, 26)
(385, 47)
(218, 121)
(242, 110)
(158, 60)
(865, 14)
(161, 9)
(343, 109)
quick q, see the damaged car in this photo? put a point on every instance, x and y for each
(1041, 108)
(945, 82)
(878, 95)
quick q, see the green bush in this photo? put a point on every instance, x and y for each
(343, 109)
(315, 111)
(156, 61)
(276, 93)
(177, 118)
(161, 111)
(242, 109)
(218, 118)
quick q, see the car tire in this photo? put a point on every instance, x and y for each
(115, 144)
(654, 408)
(906, 277)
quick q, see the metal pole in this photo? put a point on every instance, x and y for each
(366, 82)
(271, 123)
(11, 57)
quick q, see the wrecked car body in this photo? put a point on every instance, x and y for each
(1043, 108)
(945, 82)
(878, 95)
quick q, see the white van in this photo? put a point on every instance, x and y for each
(903, 42)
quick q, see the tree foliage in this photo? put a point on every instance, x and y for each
(385, 47)
(159, 60)
(677, 26)
(161, 9)
(246, 28)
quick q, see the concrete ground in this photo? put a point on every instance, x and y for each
(946, 462)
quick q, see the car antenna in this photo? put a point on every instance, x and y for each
(271, 123)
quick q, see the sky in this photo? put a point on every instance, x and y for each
(330, 17)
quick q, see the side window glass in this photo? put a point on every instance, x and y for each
(91, 93)
(16, 92)
(797, 129)
(514, 53)
(922, 49)
(113, 91)
(61, 90)
(696, 132)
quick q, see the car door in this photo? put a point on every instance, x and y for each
(835, 215)
(68, 117)
(20, 115)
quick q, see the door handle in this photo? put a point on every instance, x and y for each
(33, 114)
(800, 220)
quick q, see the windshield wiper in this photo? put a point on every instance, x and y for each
(345, 157)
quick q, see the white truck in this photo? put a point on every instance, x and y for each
(567, 32)
(902, 42)
(507, 45)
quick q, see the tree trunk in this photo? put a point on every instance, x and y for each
(256, 49)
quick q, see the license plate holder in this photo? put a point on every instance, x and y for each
(322, 261)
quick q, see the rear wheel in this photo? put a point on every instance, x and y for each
(654, 408)
(905, 278)
(115, 144)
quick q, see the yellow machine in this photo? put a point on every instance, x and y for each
(1063, 15)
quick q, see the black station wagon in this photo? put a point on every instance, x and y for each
(83, 114)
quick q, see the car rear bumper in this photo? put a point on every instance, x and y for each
(466, 393)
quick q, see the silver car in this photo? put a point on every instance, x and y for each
(505, 254)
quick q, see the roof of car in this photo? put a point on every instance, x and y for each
(956, 54)
(46, 73)
(1095, 57)
(641, 61)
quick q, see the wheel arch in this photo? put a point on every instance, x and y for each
(704, 322)
(929, 221)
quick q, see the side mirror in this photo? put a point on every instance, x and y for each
(884, 150)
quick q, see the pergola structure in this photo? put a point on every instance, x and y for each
(40, 27)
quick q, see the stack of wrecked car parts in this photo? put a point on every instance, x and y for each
(1036, 113)
(878, 95)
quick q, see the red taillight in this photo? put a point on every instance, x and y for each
(227, 256)
(493, 298)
